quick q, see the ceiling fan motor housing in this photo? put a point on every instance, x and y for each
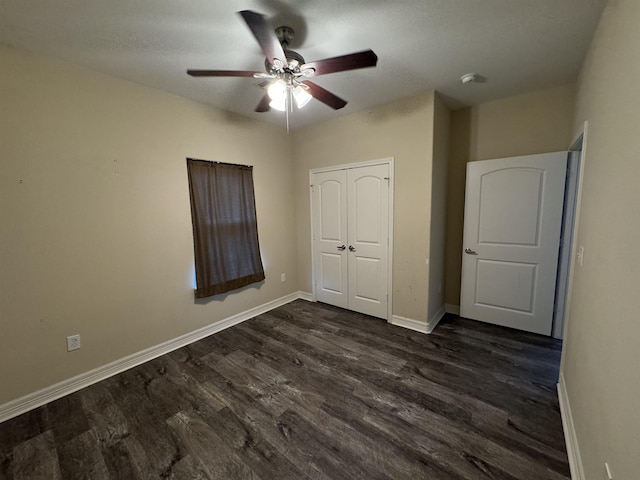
(291, 55)
(294, 59)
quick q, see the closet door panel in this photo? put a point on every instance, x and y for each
(329, 212)
(368, 214)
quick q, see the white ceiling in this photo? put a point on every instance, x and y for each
(517, 45)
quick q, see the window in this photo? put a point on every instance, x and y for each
(225, 229)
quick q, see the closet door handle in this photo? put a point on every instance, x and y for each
(468, 251)
(341, 248)
(352, 248)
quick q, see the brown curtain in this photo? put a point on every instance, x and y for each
(225, 230)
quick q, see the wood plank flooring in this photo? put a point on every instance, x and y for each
(309, 391)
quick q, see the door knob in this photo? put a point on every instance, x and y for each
(341, 248)
(352, 248)
(468, 251)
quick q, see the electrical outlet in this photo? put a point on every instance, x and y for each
(580, 255)
(283, 277)
(73, 342)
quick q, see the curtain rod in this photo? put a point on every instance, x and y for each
(220, 163)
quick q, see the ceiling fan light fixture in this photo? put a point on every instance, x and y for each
(301, 96)
(279, 105)
(308, 72)
(278, 65)
(277, 90)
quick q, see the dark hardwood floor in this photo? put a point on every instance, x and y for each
(309, 391)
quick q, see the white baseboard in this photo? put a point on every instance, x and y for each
(449, 308)
(417, 325)
(409, 323)
(36, 399)
(573, 451)
(306, 296)
(433, 322)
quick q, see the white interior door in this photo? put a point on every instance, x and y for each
(368, 235)
(350, 221)
(512, 220)
(329, 214)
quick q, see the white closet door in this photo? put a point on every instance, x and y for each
(368, 227)
(329, 212)
(350, 210)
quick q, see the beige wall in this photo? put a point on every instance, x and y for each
(441, 140)
(537, 122)
(600, 362)
(403, 130)
(96, 231)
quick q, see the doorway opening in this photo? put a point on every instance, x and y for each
(567, 236)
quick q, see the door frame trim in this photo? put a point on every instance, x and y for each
(369, 163)
(580, 141)
(574, 167)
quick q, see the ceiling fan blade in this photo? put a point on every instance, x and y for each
(263, 106)
(325, 96)
(265, 35)
(221, 73)
(352, 61)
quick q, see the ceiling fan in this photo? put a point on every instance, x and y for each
(286, 76)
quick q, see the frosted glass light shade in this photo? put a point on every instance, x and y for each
(277, 90)
(278, 104)
(301, 96)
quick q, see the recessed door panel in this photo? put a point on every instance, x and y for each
(367, 274)
(331, 273)
(510, 206)
(330, 197)
(367, 209)
(493, 278)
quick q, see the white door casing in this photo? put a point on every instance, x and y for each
(512, 220)
(566, 242)
(350, 209)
